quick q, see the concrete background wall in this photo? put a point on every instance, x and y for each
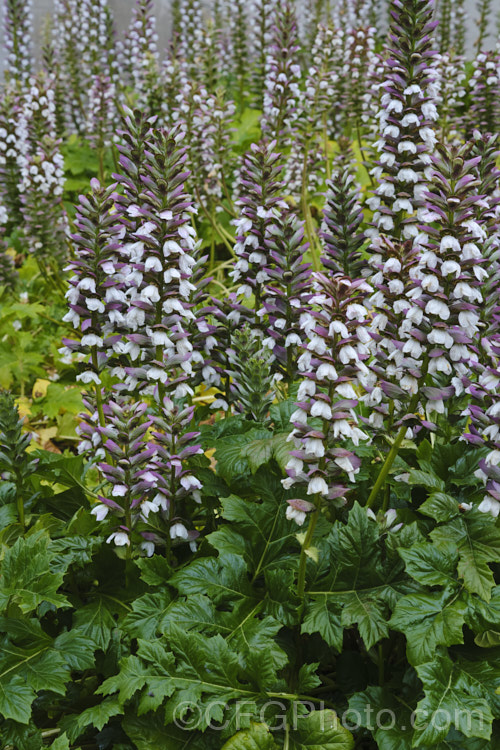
(122, 9)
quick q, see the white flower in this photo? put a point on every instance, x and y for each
(147, 507)
(317, 345)
(120, 538)
(91, 340)
(190, 483)
(295, 465)
(308, 387)
(100, 511)
(293, 514)
(336, 326)
(314, 447)
(493, 458)
(149, 548)
(468, 320)
(450, 243)
(356, 312)
(317, 485)
(326, 372)
(392, 265)
(490, 505)
(408, 175)
(88, 377)
(439, 308)
(119, 490)
(178, 531)
(321, 409)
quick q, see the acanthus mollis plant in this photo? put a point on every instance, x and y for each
(97, 41)
(173, 79)
(259, 203)
(407, 117)
(207, 118)
(452, 268)
(394, 311)
(188, 29)
(251, 374)
(263, 15)
(483, 421)
(341, 233)
(223, 319)
(18, 20)
(486, 147)
(451, 91)
(95, 299)
(140, 53)
(158, 267)
(211, 72)
(308, 159)
(66, 36)
(177, 488)
(443, 25)
(287, 294)
(16, 466)
(126, 472)
(8, 274)
(484, 13)
(42, 178)
(282, 84)
(450, 32)
(10, 144)
(325, 424)
(50, 65)
(484, 90)
(358, 68)
(102, 116)
(151, 488)
(433, 327)
(239, 19)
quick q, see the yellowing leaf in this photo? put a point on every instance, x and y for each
(23, 404)
(40, 388)
(313, 553)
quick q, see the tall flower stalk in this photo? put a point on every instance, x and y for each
(406, 119)
(18, 20)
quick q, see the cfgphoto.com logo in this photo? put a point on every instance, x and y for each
(278, 715)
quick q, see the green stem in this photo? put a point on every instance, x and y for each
(101, 163)
(286, 741)
(220, 230)
(391, 456)
(98, 393)
(325, 146)
(381, 677)
(387, 466)
(20, 501)
(211, 262)
(301, 579)
(361, 151)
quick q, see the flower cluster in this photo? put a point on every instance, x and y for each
(18, 19)
(334, 370)
(406, 119)
(287, 293)
(263, 14)
(140, 48)
(342, 219)
(282, 84)
(259, 205)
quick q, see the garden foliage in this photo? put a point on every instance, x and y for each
(250, 379)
